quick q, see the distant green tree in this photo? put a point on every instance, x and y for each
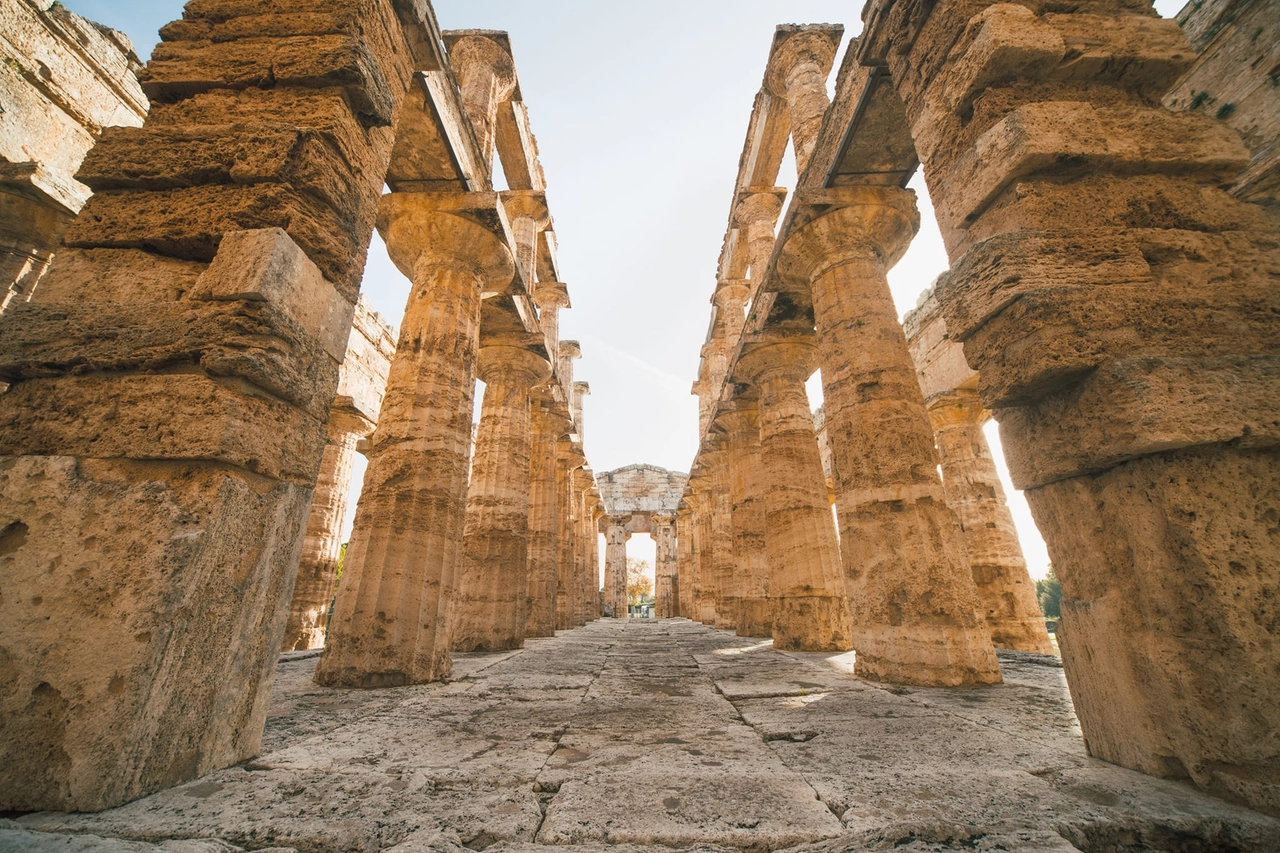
(342, 558)
(1049, 594)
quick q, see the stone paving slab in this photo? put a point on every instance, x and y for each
(653, 736)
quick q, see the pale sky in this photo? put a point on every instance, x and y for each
(640, 110)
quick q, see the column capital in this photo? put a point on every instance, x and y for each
(551, 295)
(864, 223)
(759, 205)
(419, 235)
(794, 358)
(581, 389)
(515, 364)
(570, 349)
(961, 407)
(797, 46)
(731, 290)
(743, 416)
(527, 204)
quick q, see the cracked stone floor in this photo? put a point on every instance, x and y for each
(668, 734)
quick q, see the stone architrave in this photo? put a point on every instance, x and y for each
(391, 621)
(1120, 308)
(797, 73)
(616, 535)
(747, 487)
(912, 597)
(807, 603)
(665, 586)
(493, 585)
(313, 589)
(177, 494)
(545, 510)
(1006, 595)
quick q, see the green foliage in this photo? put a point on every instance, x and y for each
(342, 558)
(1226, 110)
(1049, 594)
(1198, 99)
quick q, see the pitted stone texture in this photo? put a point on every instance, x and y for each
(640, 736)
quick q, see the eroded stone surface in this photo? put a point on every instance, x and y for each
(636, 735)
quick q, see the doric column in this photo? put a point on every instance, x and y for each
(806, 590)
(567, 352)
(313, 589)
(551, 297)
(747, 485)
(684, 559)
(580, 390)
(544, 517)
(391, 622)
(1006, 595)
(584, 585)
(597, 513)
(663, 533)
(492, 588)
(616, 535)
(704, 579)
(721, 536)
(756, 217)
(912, 596)
(798, 69)
(528, 214)
(487, 76)
(1120, 308)
(568, 459)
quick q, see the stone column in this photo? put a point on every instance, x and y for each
(1112, 301)
(583, 585)
(493, 587)
(684, 605)
(747, 486)
(912, 596)
(567, 352)
(807, 601)
(665, 590)
(391, 622)
(580, 390)
(178, 495)
(568, 459)
(1006, 595)
(313, 590)
(545, 510)
(704, 588)
(596, 609)
(616, 535)
(551, 297)
(797, 73)
(721, 537)
(487, 76)
(528, 214)
(756, 216)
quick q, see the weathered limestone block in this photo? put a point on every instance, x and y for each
(616, 535)
(807, 602)
(1166, 346)
(545, 509)
(63, 80)
(912, 596)
(747, 486)
(1006, 595)
(492, 589)
(391, 622)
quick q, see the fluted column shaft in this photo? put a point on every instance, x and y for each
(615, 567)
(806, 590)
(747, 520)
(582, 586)
(1006, 594)
(493, 586)
(391, 622)
(664, 566)
(313, 590)
(486, 75)
(798, 72)
(544, 522)
(569, 544)
(911, 594)
(722, 563)
(594, 610)
(704, 591)
(684, 562)
(756, 216)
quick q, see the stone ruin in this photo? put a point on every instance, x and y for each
(190, 379)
